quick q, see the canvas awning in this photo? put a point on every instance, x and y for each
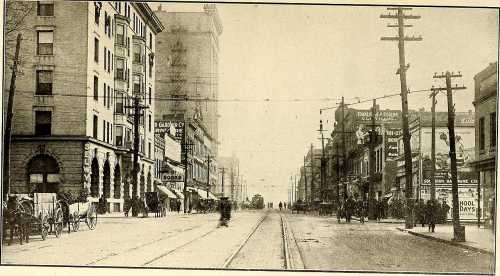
(212, 196)
(179, 193)
(202, 193)
(166, 191)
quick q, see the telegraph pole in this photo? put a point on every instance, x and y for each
(8, 123)
(403, 67)
(433, 144)
(185, 147)
(305, 180)
(223, 171)
(458, 230)
(371, 187)
(209, 158)
(312, 172)
(337, 192)
(137, 117)
(322, 164)
(344, 155)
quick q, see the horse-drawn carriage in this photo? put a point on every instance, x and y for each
(156, 203)
(40, 214)
(79, 211)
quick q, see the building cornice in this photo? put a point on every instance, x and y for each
(150, 17)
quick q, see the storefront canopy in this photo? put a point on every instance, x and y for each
(212, 196)
(166, 191)
(178, 193)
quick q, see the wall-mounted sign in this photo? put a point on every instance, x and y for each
(381, 116)
(174, 128)
(391, 142)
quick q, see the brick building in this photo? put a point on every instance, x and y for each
(485, 103)
(187, 80)
(83, 63)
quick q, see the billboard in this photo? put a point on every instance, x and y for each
(467, 199)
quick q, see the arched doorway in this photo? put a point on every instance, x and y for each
(150, 184)
(118, 180)
(106, 181)
(94, 178)
(43, 174)
(126, 186)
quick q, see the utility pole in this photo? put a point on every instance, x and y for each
(344, 155)
(8, 123)
(371, 187)
(209, 158)
(223, 171)
(337, 164)
(312, 173)
(322, 164)
(305, 180)
(185, 148)
(403, 67)
(433, 144)
(458, 230)
(135, 166)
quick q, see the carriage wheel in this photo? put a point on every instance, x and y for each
(58, 222)
(76, 222)
(44, 227)
(91, 218)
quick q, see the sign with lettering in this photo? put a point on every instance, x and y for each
(381, 116)
(467, 200)
(391, 142)
(171, 177)
(174, 128)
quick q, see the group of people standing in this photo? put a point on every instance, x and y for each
(283, 205)
(359, 208)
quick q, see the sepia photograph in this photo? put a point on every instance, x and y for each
(249, 137)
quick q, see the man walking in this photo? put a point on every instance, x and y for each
(431, 215)
(349, 206)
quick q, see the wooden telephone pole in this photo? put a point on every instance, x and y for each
(458, 230)
(344, 155)
(137, 117)
(433, 144)
(371, 188)
(403, 67)
(322, 164)
(8, 123)
(209, 159)
(305, 180)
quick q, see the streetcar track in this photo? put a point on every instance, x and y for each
(144, 244)
(180, 246)
(230, 259)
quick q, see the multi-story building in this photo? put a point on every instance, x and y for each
(352, 148)
(72, 128)
(187, 82)
(485, 103)
(421, 144)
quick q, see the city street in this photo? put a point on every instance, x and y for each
(195, 241)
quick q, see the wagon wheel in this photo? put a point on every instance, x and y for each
(58, 222)
(76, 221)
(91, 218)
(44, 227)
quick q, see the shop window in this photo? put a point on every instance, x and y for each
(45, 42)
(44, 82)
(43, 123)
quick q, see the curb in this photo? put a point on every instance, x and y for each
(450, 242)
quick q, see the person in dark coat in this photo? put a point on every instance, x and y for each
(430, 214)
(350, 205)
(446, 208)
(225, 210)
(280, 205)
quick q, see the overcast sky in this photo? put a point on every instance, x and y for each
(302, 58)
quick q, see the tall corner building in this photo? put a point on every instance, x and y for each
(187, 83)
(72, 130)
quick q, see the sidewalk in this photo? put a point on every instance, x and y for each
(478, 239)
(169, 214)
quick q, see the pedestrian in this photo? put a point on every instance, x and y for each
(431, 214)
(421, 212)
(280, 205)
(446, 208)
(360, 210)
(225, 211)
(340, 210)
(349, 208)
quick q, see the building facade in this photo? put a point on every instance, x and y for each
(421, 143)
(72, 130)
(231, 187)
(187, 82)
(485, 104)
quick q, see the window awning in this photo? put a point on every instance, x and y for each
(212, 196)
(166, 191)
(202, 193)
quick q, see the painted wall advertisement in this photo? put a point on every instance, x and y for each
(174, 128)
(466, 178)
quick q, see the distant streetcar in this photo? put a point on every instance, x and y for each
(257, 202)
